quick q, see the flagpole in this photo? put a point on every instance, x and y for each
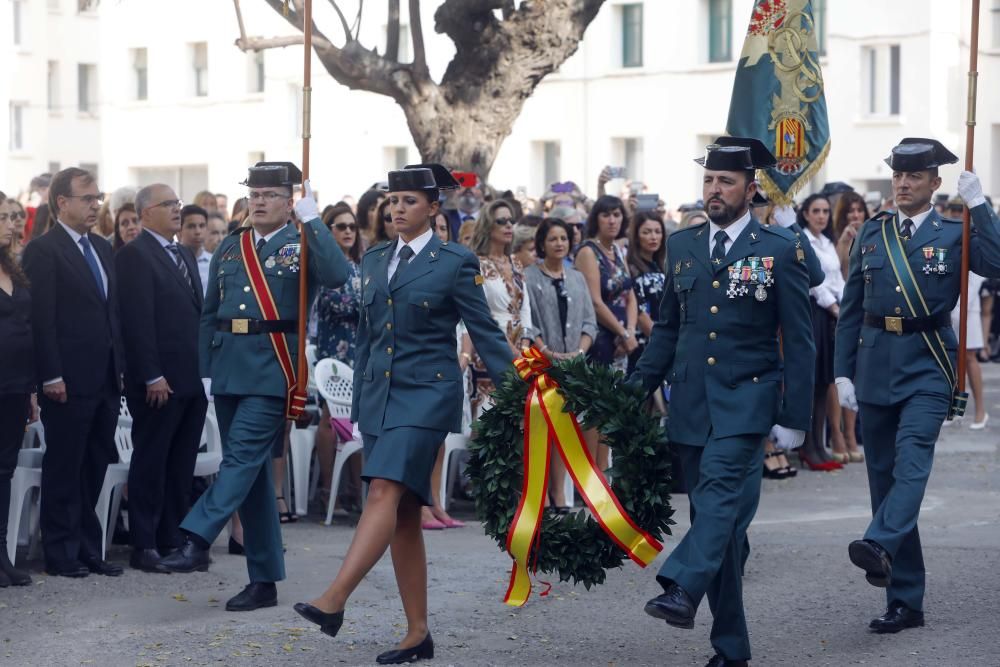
(970, 140)
(303, 368)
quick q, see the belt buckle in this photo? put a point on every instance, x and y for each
(894, 324)
(241, 326)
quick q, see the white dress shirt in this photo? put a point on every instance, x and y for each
(733, 232)
(831, 290)
(204, 262)
(917, 219)
(416, 245)
(76, 236)
(257, 237)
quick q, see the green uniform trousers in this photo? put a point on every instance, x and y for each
(248, 426)
(899, 450)
(709, 560)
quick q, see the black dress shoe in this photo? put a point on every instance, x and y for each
(235, 548)
(719, 661)
(147, 560)
(73, 569)
(873, 559)
(9, 573)
(329, 624)
(674, 606)
(422, 651)
(189, 558)
(257, 595)
(897, 617)
(97, 566)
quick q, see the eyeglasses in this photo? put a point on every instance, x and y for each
(504, 221)
(18, 214)
(269, 196)
(170, 203)
(344, 226)
(89, 200)
(387, 219)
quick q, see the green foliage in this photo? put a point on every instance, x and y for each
(574, 545)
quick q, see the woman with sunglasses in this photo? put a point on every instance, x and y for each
(385, 229)
(407, 397)
(337, 311)
(503, 282)
(563, 313)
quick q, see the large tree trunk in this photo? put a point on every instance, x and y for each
(462, 121)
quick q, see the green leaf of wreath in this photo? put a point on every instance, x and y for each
(574, 545)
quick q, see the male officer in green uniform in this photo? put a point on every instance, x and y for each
(896, 345)
(731, 285)
(247, 347)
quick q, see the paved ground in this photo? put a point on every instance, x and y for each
(806, 604)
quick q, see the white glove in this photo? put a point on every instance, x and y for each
(785, 216)
(970, 189)
(787, 438)
(207, 384)
(306, 208)
(845, 393)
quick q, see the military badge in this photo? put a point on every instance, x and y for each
(677, 268)
(800, 254)
(942, 268)
(479, 280)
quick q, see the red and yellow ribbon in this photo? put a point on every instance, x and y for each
(295, 400)
(545, 421)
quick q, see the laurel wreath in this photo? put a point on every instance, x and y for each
(574, 545)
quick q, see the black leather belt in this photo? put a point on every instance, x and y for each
(902, 325)
(245, 327)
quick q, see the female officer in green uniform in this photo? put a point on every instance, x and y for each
(408, 394)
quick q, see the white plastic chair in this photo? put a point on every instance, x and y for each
(116, 476)
(454, 442)
(209, 461)
(335, 381)
(27, 476)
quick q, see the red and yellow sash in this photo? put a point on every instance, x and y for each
(545, 421)
(295, 401)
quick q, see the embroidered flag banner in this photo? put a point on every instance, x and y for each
(778, 95)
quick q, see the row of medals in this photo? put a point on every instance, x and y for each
(752, 272)
(932, 254)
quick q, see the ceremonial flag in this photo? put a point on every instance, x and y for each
(778, 95)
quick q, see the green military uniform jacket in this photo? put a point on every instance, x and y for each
(720, 351)
(245, 364)
(888, 368)
(406, 370)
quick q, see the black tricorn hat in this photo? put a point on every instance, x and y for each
(736, 154)
(918, 154)
(422, 178)
(835, 188)
(273, 174)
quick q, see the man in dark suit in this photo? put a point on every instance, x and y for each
(161, 298)
(79, 359)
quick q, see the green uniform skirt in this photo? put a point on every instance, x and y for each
(405, 454)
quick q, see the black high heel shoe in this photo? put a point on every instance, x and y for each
(235, 548)
(422, 651)
(775, 473)
(329, 624)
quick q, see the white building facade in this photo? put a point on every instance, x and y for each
(144, 91)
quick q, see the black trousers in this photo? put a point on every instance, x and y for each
(165, 445)
(14, 410)
(80, 443)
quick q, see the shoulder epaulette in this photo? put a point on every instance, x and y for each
(951, 220)
(455, 248)
(690, 228)
(781, 232)
(379, 246)
(240, 230)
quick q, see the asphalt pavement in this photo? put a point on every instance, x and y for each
(806, 604)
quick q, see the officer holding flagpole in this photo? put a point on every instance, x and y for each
(895, 358)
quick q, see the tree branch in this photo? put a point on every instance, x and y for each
(343, 20)
(392, 32)
(417, 36)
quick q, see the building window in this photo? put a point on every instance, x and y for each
(720, 31)
(140, 73)
(86, 76)
(256, 72)
(54, 167)
(880, 80)
(16, 126)
(52, 86)
(631, 158)
(92, 168)
(819, 24)
(16, 22)
(631, 35)
(199, 69)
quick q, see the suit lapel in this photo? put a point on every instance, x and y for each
(926, 235)
(742, 246)
(699, 250)
(74, 255)
(419, 265)
(196, 287)
(379, 269)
